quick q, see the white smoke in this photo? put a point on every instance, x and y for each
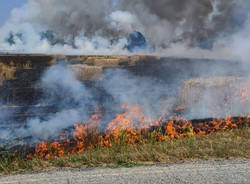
(123, 21)
(69, 98)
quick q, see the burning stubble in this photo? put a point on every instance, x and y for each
(133, 104)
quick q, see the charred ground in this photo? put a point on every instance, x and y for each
(20, 74)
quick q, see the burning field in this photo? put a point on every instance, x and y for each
(80, 104)
(124, 81)
(122, 131)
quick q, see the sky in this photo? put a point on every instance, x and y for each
(6, 6)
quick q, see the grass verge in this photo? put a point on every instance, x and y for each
(221, 145)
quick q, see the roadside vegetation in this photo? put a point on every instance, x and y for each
(230, 144)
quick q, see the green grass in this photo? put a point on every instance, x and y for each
(221, 145)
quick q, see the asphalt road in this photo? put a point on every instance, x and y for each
(227, 172)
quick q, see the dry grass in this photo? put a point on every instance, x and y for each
(222, 145)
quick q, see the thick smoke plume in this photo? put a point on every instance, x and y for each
(208, 27)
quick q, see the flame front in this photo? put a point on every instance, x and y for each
(131, 127)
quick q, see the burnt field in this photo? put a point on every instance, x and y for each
(20, 76)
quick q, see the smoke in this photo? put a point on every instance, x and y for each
(62, 88)
(69, 98)
(123, 21)
(149, 93)
(102, 27)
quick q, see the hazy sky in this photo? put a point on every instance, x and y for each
(6, 6)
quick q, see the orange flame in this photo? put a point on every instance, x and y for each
(131, 127)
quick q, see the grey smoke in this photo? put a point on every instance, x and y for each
(62, 88)
(149, 93)
(170, 26)
(159, 20)
(70, 99)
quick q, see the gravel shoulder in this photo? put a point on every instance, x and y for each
(234, 171)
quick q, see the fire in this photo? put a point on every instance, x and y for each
(131, 128)
(131, 119)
